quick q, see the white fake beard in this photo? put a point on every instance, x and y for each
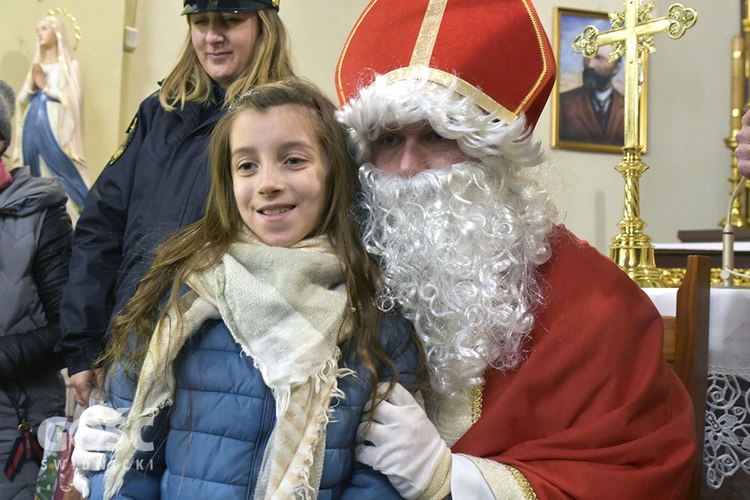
(460, 261)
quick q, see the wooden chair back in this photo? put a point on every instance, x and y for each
(686, 348)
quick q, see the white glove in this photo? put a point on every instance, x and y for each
(97, 434)
(404, 445)
(82, 483)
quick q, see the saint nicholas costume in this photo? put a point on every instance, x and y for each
(593, 410)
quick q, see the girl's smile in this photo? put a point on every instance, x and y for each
(279, 172)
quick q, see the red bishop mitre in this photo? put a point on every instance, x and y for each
(497, 49)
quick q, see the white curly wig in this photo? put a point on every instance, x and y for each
(391, 105)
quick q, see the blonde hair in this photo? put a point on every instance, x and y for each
(188, 81)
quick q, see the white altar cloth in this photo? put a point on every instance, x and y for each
(727, 438)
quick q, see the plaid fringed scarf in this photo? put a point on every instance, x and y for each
(285, 307)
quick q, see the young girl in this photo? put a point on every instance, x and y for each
(265, 292)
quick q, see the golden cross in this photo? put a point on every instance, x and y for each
(633, 32)
(631, 35)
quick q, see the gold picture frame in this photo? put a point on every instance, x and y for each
(574, 124)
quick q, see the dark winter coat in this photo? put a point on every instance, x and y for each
(155, 183)
(35, 234)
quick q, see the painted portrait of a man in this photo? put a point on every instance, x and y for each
(589, 103)
(594, 111)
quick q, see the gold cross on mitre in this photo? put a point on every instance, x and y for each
(632, 35)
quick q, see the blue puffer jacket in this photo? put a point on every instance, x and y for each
(210, 443)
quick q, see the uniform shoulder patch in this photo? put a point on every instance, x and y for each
(129, 137)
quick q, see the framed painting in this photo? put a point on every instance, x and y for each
(588, 101)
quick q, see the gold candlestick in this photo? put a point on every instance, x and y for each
(737, 98)
(745, 211)
(737, 81)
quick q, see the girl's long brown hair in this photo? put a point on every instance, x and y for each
(202, 244)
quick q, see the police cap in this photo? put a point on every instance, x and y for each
(195, 6)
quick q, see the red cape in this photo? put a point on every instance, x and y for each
(594, 412)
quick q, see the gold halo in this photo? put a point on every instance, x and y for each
(76, 27)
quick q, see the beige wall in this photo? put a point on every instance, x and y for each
(686, 186)
(318, 31)
(99, 54)
(161, 34)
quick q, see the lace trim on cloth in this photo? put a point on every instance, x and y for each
(727, 438)
(505, 481)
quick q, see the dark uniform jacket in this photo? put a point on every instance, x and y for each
(155, 183)
(35, 233)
